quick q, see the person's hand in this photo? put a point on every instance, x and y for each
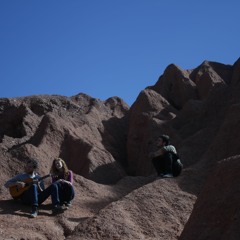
(65, 181)
(20, 184)
(68, 182)
(39, 187)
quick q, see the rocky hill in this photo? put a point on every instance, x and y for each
(106, 144)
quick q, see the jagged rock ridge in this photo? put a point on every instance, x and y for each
(106, 142)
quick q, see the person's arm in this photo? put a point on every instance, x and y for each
(170, 148)
(156, 153)
(69, 179)
(41, 185)
(17, 180)
(54, 178)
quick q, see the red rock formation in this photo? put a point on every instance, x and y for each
(104, 141)
(216, 212)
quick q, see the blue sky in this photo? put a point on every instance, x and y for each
(108, 48)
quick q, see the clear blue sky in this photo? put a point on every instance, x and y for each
(108, 48)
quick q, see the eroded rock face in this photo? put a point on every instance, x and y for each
(106, 144)
(148, 112)
(188, 105)
(157, 210)
(86, 132)
(216, 212)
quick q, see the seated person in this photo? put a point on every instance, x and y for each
(162, 159)
(28, 188)
(63, 177)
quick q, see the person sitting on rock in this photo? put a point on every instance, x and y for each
(63, 177)
(29, 189)
(162, 159)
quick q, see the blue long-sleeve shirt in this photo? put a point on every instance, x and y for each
(21, 177)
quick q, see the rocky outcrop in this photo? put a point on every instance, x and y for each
(216, 212)
(88, 133)
(157, 210)
(107, 145)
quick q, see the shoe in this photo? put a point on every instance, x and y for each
(159, 176)
(68, 204)
(57, 209)
(34, 212)
(168, 175)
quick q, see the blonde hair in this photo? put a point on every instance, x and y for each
(55, 171)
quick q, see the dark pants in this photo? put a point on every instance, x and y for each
(163, 163)
(35, 198)
(66, 192)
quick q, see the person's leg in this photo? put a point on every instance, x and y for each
(167, 159)
(72, 195)
(68, 194)
(30, 197)
(51, 190)
(61, 192)
(158, 165)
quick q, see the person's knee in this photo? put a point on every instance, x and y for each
(73, 193)
(168, 156)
